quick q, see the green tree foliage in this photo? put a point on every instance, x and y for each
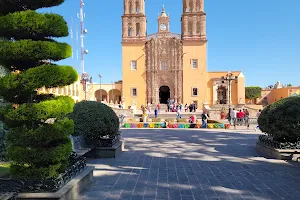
(94, 120)
(252, 92)
(281, 120)
(38, 138)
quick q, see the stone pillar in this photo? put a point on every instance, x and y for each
(202, 5)
(194, 6)
(194, 21)
(215, 94)
(185, 26)
(126, 7)
(133, 27)
(203, 26)
(133, 7)
(157, 95)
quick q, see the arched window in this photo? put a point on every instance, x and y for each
(138, 29)
(129, 30)
(137, 6)
(191, 5)
(190, 28)
(198, 27)
(130, 7)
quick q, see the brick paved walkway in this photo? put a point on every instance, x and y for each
(190, 165)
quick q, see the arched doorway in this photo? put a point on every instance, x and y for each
(164, 94)
(102, 94)
(114, 96)
(222, 95)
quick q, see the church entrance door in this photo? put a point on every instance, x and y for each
(222, 97)
(164, 94)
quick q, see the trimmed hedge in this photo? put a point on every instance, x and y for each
(34, 50)
(38, 143)
(30, 24)
(10, 6)
(280, 120)
(94, 120)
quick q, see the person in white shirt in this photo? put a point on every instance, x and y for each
(233, 116)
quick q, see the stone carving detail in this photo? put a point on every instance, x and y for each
(164, 66)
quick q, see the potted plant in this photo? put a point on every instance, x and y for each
(223, 113)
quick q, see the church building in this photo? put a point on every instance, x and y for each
(166, 65)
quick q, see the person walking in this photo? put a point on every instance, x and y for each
(247, 116)
(205, 117)
(178, 114)
(233, 115)
(257, 115)
(155, 112)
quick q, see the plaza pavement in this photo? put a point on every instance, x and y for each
(192, 164)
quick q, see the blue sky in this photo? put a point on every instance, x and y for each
(261, 38)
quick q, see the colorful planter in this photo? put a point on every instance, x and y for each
(216, 126)
(180, 125)
(133, 126)
(175, 125)
(210, 126)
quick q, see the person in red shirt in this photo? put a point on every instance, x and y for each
(240, 117)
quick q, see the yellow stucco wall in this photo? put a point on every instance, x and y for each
(133, 78)
(194, 77)
(237, 89)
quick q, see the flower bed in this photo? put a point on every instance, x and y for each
(175, 125)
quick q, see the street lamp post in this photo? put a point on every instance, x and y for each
(228, 78)
(112, 92)
(100, 88)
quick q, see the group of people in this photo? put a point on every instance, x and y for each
(238, 117)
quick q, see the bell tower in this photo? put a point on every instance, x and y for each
(163, 22)
(193, 20)
(134, 21)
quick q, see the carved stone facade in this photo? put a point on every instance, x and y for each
(164, 67)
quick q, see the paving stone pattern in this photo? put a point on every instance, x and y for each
(190, 165)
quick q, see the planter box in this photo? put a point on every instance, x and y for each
(107, 152)
(281, 154)
(69, 192)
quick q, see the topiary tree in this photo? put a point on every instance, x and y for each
(252, 92)
(281, 120)
(38, 147)
(95, 120)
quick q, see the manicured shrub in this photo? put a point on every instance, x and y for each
(95, 120)
(38, 143)
(281, 120)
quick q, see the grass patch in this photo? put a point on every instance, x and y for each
(4, 169)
